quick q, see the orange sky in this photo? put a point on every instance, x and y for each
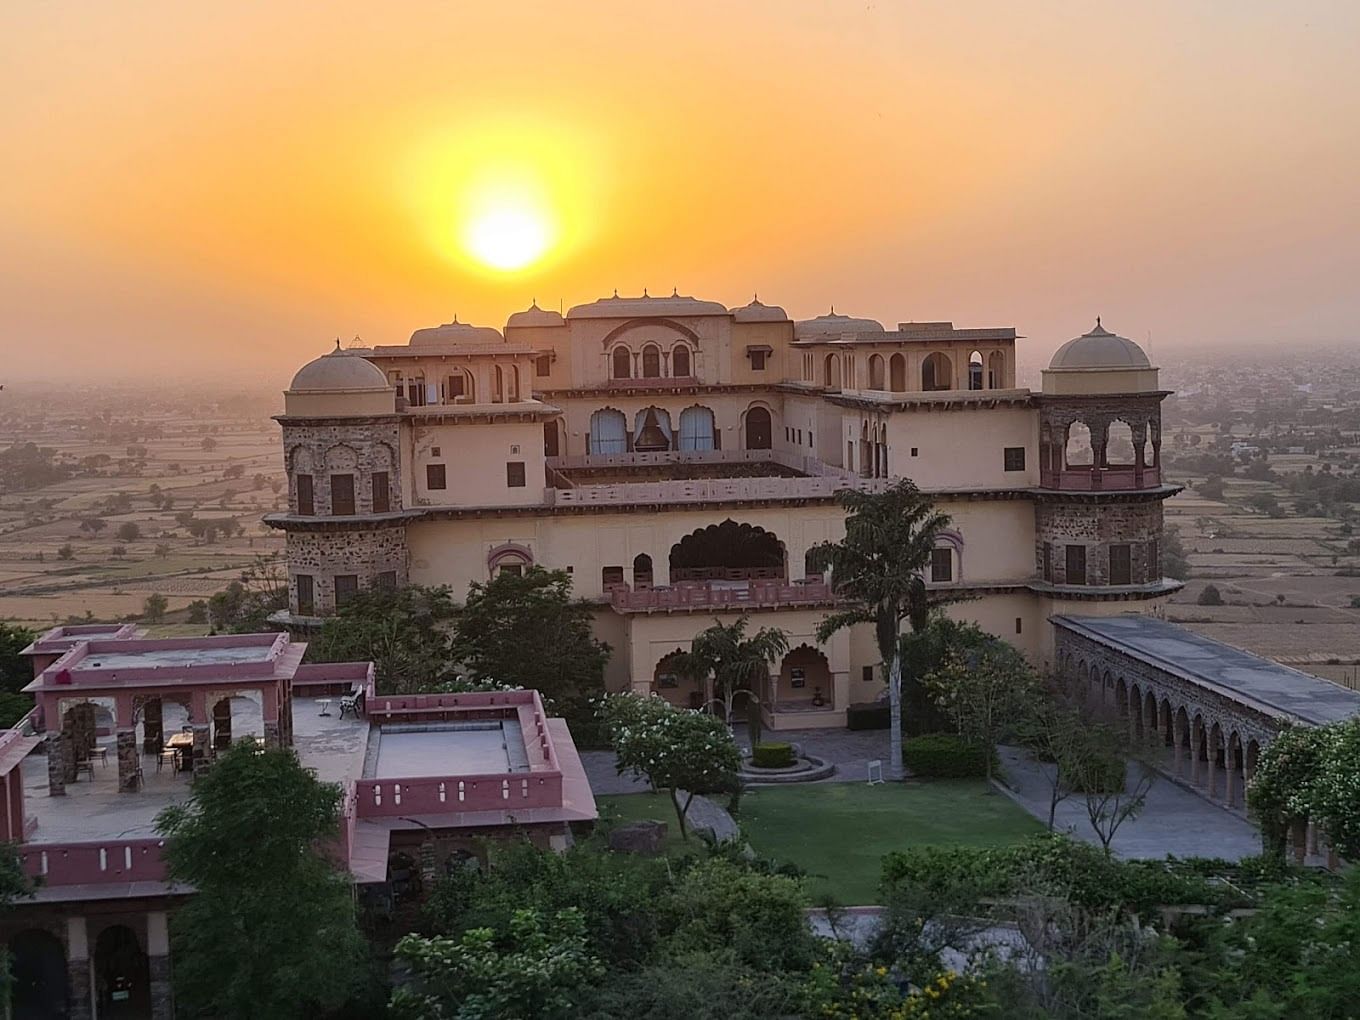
(226, 188)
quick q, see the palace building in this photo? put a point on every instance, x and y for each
(679, 458)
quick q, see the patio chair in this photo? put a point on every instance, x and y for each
(84, 765)
(349, 703)
(168, 754)
(102, 753)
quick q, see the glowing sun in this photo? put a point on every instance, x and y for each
(507, 235)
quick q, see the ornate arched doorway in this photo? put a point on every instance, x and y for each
(122, 976)
(38, 976)
(759, 429)
(728, 552)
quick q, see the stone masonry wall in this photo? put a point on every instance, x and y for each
(359, 448)
(323, 555)
(1098, 525)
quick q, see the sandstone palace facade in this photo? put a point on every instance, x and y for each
(679, 458)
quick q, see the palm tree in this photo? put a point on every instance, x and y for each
(877, 572)
(734, 661)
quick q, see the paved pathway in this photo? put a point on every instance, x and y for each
(1173, 821)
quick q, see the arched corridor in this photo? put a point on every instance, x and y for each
(728, 552)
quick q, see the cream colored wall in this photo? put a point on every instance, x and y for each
(435, 369)
(1091, 382)
(554, 339)
(590, 365)
(339, 404)
(778, 367)
(1065, 607)
(961, 448)
(474, 459)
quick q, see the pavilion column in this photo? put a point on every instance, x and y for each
(1175, 749)
(58, 750)
(125, 730)
(221, 724)
(1196, 746)
(202, 747)
(158, 961)
(78, 969)
(129, 761)
(1211, 765)
(1229, 779)
(153, 726)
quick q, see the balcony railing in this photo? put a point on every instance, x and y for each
(754, 594)
(705, 490)
(95, 863)
(1109, 479)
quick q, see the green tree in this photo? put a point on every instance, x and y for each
(877, 571)
(678, 750)
(405, 632)
(271, 929)
(198, 611)
(244, 606)
(128, 531)
(153, 609)
(1210, 596)
(65, 552)
(733, 661)
(985, 693)
(15, 669)
(528, 631)
(539, 968)
(93, 525)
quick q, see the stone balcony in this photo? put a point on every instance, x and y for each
(709, 596)
(1124, 478)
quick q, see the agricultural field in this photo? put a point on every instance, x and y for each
(1290, 583)
(130, 495)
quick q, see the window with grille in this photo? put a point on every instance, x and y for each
(1014, 457)
(382, 493)
(306, 502)
(346, 587)
(306, 594)
(514, 474)
(1121, 564)
(942, 564)
(435, 477)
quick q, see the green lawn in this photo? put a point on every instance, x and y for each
(838, 832)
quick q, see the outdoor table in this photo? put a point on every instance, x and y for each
(325, 704)
(184, 744)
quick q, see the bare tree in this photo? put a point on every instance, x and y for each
(1114, 782)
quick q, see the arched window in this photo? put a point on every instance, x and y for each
(897, 371)
(497, 385)
(552, 445)
(831, 375)
(680, 367)
(651, 362)
(697, 431)
(509, 558)
(759, 429)
(415, 390)
(996, 371)
(608, 432)
(622, 363)
(876, 372)
(512, 383)
(937, 373)
(459, 388)
(1077, 453)
(642, 571)
(975, 370)
(652, 430)
(1119, 444)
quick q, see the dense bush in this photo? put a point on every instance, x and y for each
(772, 756)
(1210, 596)
(871, 715)
(944, 756)
(1050, 864)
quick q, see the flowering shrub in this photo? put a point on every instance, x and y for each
(1310, 773)
(678, 750)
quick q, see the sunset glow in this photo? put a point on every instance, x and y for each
(929, 160)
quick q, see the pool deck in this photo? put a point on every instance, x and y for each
(95, 809)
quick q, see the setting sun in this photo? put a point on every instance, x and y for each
(507, 237)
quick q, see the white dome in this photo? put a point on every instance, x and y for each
(1099, 349)
(339, 371)
(534, 316)
(645, 307)
(757, 312)
(456, 332)
(834, 325)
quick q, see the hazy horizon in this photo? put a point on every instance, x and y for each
(221, 193)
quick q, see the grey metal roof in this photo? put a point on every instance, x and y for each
(1250, 679)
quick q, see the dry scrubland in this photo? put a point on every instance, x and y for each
(1283, 579)
(109, 577)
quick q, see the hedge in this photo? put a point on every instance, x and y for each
(944, 756)
(772, 756)
(869, 715)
